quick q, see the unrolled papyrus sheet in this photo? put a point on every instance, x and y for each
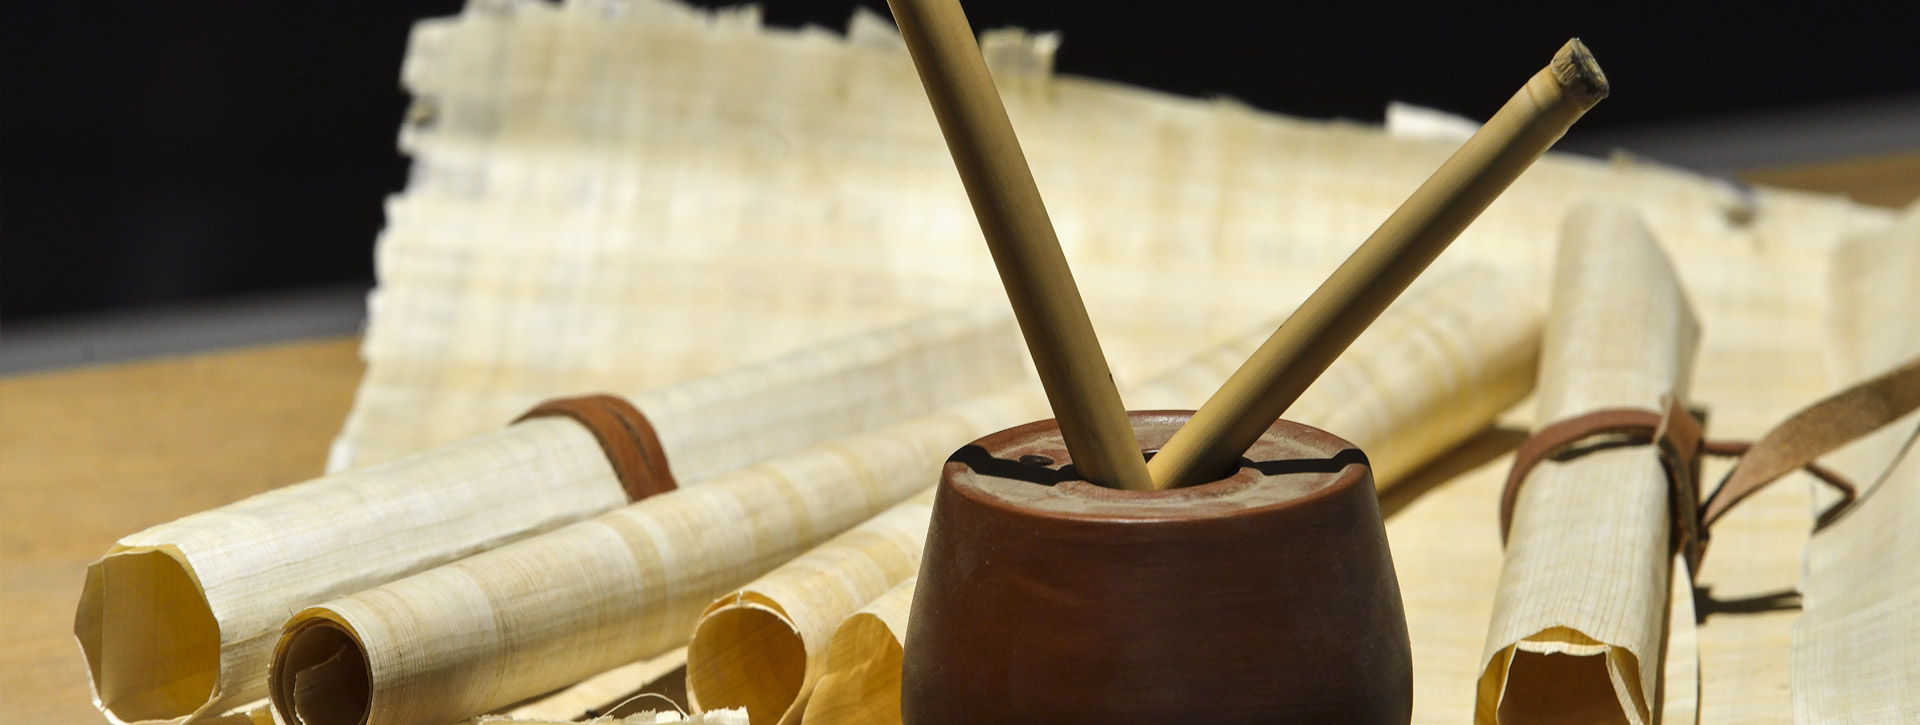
(1856, 649)
(1579, 620)
(644, 194)
(179, 619)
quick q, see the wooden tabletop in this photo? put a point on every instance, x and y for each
(1891, 180)
(93, 454)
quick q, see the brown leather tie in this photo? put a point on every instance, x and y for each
(623, 433)
(1796, 443)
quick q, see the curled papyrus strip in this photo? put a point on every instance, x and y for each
(861, 682)
(761, 647)
(179, 619)
(542, 613)
(1580, 618)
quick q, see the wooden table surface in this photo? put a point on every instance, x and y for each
(93, 454)
(1891, 180)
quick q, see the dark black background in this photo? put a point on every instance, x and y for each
(163, 151)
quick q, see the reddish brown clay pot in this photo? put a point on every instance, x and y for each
(1266, 596)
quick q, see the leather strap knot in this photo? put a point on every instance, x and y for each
(1677, 432)
(1794, 444)
(623, 434)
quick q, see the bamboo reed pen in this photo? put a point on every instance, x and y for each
(1262, 389)
(1032, 268)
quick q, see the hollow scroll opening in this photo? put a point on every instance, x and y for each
(747, 657)
(1560, 688)
(320, 676)
(151, 642)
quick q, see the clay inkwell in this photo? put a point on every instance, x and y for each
(1267, 595)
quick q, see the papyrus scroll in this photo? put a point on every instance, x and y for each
(179, 619)
(760, 647)
(1580, 619)
(861, 680)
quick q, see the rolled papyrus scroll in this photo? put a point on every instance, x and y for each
(179, 620)
(759, 647)
(1437, 367)
(538, 614)
(1579, 620)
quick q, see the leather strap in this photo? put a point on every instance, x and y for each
(1677, 433)
(623, 433)
(1794, 444)
(1816, 431)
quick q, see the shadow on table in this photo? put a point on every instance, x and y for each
(1482, 448)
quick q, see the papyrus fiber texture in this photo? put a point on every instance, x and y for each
(179, 619)
(1580, 615)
